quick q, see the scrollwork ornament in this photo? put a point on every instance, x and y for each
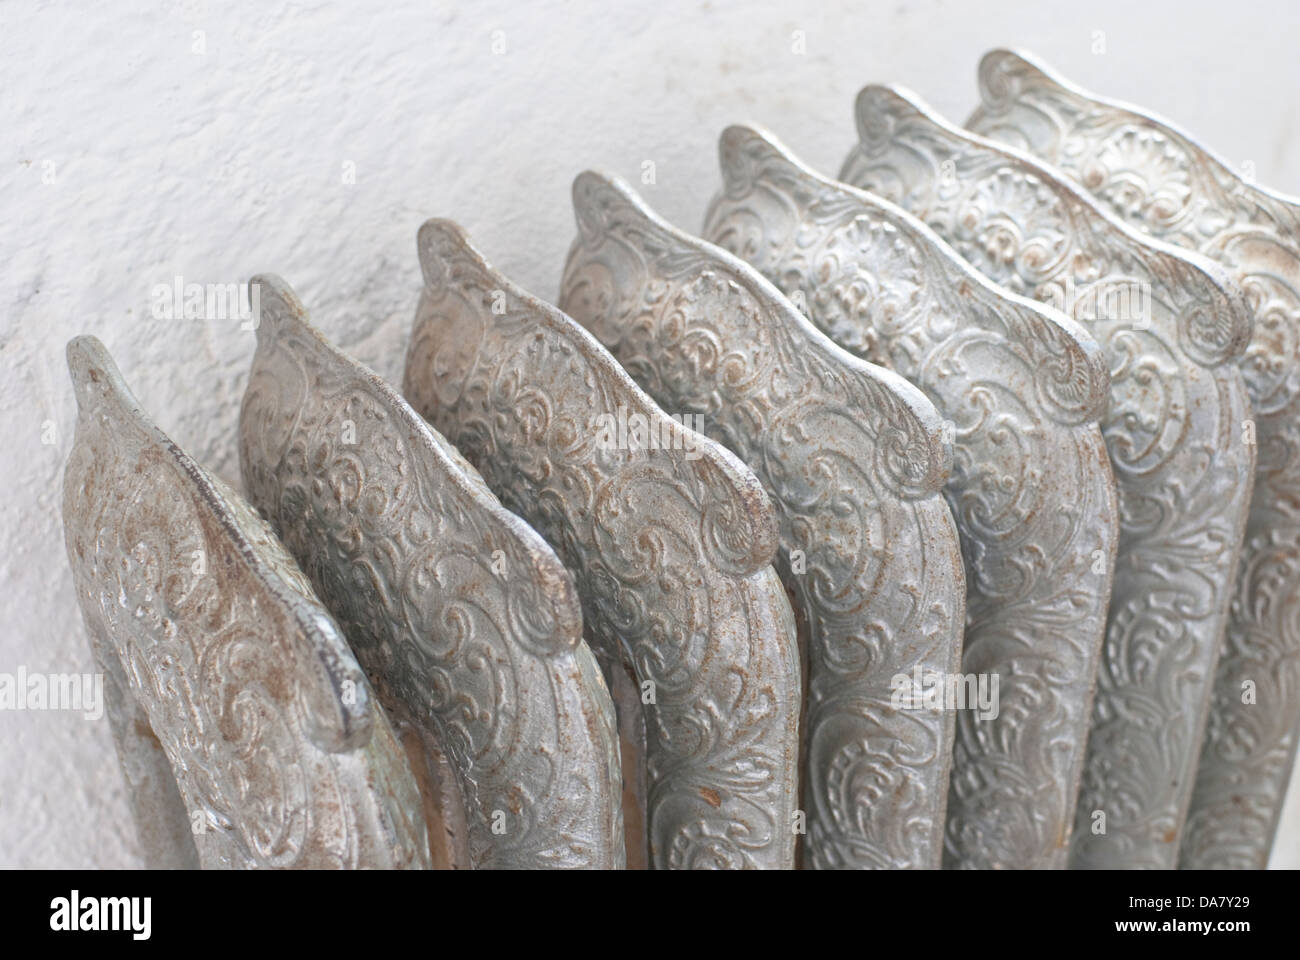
(669, 536)
(1161, 181)
(1171, 323)
(460, 612)
(234, 668)
(1032, 492)
(853, 458)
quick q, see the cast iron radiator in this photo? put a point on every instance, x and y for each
(946, 514)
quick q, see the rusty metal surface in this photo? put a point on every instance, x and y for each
(461, 615)
(1022, 387)
(1174, 430)
(853, 457)
(1161, 181)
(669, 536)
(233, 668)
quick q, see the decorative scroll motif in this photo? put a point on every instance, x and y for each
(853, 457)
(1162, 182)
(462, 616)
(279, 755)
(1031, 488)
(669, 536)
(1170, 322)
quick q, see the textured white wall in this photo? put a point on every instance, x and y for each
(218, 164)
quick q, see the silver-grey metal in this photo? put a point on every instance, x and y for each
(669, 536)
(1171, 322)
(853, 457)
(1022, 387)
(1163, 182)
(233, 668)
(462, 616)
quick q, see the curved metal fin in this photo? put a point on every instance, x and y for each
(245, 680)
(460, 613)
(1170, 322)
(853, 457)
(1163, 182)
(670, 538)
(1022, 387)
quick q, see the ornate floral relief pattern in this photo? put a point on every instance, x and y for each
(280, 757)
(1031, 488)
(1162, 182)
(853, 459)
(1173, 430)
(163, 825)
(461, 614)
(671, 549)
